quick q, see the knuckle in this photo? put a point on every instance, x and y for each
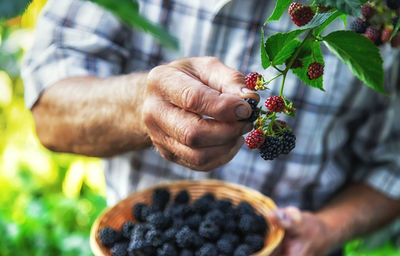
(190, 99)
(154, 75)
(213, 60)
(191, 137)
(200, 160)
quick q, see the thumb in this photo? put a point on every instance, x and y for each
(290, 218)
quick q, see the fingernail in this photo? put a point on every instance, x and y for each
(242, 112)
(247, 128)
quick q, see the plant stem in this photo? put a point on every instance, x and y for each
(283, 84)
(269, 81)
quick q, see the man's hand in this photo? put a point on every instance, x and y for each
(194, 110)
(305, 233)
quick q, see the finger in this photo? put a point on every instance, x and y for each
(289, 218)
(295, 247)
(203, 159)
(189, 93)
(191, 129)
(215, 74)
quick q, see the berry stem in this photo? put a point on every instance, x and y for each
(278, 69)
(283, 84)
(275, 77)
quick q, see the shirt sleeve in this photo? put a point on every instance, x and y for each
(73, 38)
(377, 141)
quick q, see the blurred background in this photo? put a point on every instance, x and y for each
(48, 201)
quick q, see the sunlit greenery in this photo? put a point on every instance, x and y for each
(49, 201)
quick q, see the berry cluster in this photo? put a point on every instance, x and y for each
(270, 135)
(207, 227)
(378, 23)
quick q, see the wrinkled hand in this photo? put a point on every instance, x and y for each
(305, 233)
(178, 96)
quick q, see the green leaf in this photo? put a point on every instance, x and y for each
(306, 57)
(128, 12)
(281, 46)
(396, 28)
(350, 7)
(360, 54)
(327, 21)
(12, 8)
(264, 56)
(320, 19)
(280, 8)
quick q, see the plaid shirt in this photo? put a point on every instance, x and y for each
(347, 134)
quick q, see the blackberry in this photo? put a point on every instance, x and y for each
(230, 225)
(255, 111)
(244, 208)
(359, 26)
(242, 250)
(288, 141)
(232, 237)
(127, 228)
(367, 11)
(169, 234)
(202, 205)
(393, 4)
(198, 241)
(193, 221)
(209, 197)
(178, 223)
(385, 35)
(225, 205)
(154, 238)
(136, 243)
(315, 70)
(216, 216)
(255, 242)
(109, 236)
(167, 249)
(261, 225)
(372, 34)
(208, 229)
(271, 148)
(225, 246)
(159, 220)
(186, 252)
(182, 197)
(247, 224)
(275, 104)
(207, 249)
(177, 211)
(293, 6)
(255, 139)
(119, 249)
(185, 238)
(301, 15)
(254, 81)
(160, 198)
(137, 212)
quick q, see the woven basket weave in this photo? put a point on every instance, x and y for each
(114, 217)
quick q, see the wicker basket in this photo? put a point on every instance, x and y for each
(114, 217)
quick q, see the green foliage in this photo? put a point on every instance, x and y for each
(310, 52)
(281, 46)
(320, 19)
(128, 11)
(264, 56)
(357, 248)
(360, 54)
(350, 7)
(12, 8)
(280, 8)
(396, 29)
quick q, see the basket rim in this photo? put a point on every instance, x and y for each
(97, 251)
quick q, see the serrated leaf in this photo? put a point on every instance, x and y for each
(280, 8)
(281, 46)
(264, 56)
(12, 8)
(319, 19)
(326, 20)
(306, 56)
(360, 54)
(128, 12)
(351, 7)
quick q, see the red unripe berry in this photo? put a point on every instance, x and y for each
(300, 14)
(255, 139)
(315, 70)
(395, 42)
(275, 104)
(293, 6)
(251, 80)
(367, 11)
(386, 34)
(372, 34)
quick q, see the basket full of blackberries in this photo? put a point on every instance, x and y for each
(188, 218)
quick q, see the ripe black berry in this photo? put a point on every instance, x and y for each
(208, 229)
(167, 249)
(160, 198)
(271, 148)
(186, 252)
(159, 220)
(225, 246)
(127, 228)
(359, 26)
(254, 241)
(120, 249)
(242, 250)
(185, 238)
(207, 249)
(109, 236)
(182, 197)
(288, 141)
(255, 111)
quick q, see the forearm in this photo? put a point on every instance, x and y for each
(356, 211)
(92, 116)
